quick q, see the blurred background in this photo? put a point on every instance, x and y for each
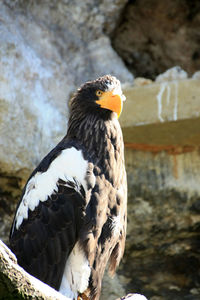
(47, 49)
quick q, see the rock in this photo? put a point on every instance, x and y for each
(164, 102)
(151, 40)
(103, 57)
(68, 32)
(43, 60)
(162, 257)
(139, 81)
(196, 75)
(47, 48)
(112, 287)
(175, 73)
(31, 112)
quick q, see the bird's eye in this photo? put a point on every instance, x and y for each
(99, 93)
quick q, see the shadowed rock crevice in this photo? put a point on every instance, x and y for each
(153, 36)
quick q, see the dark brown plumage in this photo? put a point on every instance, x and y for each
(71, 219)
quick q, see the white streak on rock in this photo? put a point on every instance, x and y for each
(168, 94)
(159, 100)
(175, 101)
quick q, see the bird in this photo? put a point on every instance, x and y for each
(70, 222)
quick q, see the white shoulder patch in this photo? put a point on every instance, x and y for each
(68, 166)
(76, 274)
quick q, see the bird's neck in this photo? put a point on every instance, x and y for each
(97, 135)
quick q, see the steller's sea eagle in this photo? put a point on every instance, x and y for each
(71, 219)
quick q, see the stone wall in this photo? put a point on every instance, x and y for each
(47, 49)
(162, 254)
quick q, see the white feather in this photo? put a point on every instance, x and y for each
(76, 274)
(116, 90)
(68, 166)
(116, 225)
(136, 297)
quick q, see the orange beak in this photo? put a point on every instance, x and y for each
(113, 102)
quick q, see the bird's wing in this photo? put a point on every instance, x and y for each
(119, 226)
(50, 214)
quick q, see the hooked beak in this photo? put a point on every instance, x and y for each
(112, 101)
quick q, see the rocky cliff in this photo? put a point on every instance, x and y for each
(47, 49)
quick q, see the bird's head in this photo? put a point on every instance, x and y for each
(101, 96)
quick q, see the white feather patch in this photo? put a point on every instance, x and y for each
(116, 225)
(116, 90)
(68, 166)
(76, 274)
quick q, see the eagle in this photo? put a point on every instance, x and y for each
(71, 219)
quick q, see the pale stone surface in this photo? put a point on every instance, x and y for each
(31, 121)
(42, 61)
(164, 102)
(174, 106)
(196, 75)
(139, 81)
